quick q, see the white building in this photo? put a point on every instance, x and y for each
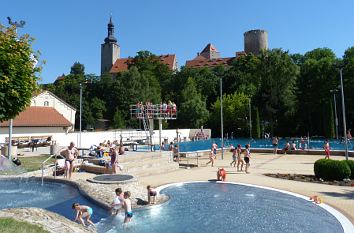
(47, 116)
(48, 99)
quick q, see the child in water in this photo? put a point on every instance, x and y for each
(117, 202)
(83, 211)
(127, 205)
(151, 194)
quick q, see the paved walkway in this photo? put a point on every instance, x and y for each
(339, 197)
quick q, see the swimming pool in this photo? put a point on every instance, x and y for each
(258, 143)
(53, 196)
(224, 207)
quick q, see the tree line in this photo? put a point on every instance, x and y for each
(286, 94)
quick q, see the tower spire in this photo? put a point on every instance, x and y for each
(110, 37)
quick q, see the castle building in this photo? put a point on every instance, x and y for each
(254, 42)
(112, 63)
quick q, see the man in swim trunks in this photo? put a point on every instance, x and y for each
(70, 153)
(127, 205)
(83, 211)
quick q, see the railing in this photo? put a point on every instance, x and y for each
(153, 111)
(55, 165)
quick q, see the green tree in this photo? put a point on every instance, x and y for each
(317, 77)
(98, 108)
(118, 120)
(192, 112)
(77, 69)
(18, 76)
(235, 115)
(348, 74)
(276, 97)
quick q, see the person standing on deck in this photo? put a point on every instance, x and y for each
(327, 149)
(70, 153)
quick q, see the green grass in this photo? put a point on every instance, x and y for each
(10, 225)
(34, 163)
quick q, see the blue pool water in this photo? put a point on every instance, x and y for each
(51, 196)
(220, 207)
(259, 143)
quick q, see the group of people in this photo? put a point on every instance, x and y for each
(237, 159)
(289, 145)
(123, 201)
(164, 109)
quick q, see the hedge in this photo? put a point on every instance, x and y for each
(329, 169)
(351, 166)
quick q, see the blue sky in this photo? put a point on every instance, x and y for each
(67, 31)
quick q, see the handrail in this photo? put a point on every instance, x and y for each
(55, 165)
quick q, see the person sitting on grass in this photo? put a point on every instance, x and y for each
(221, 174)
(151, 192)
(83, 211)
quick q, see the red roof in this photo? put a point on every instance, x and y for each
(39, 117)
(122, 64)
(198, 63)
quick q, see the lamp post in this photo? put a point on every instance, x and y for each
(250, 116)
(222, 122)
(334, 91)
(343, 111)
(19, 24)
(80, 114)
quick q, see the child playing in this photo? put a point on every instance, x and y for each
(127, 205)
(221, 174)
(239, 159)
(83, 211)
(117, 202)
(234, 157)
(327, 149)
(247, 156)
(151, 194)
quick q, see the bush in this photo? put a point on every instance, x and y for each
(328, 169)
(351, 166)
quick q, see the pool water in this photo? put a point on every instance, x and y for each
(221, 207)
(259, 143)
(56, 197)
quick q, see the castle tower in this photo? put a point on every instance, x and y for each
(256, 41)
(110, 50)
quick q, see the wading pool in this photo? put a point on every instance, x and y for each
(224, 207)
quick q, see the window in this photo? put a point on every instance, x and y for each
(46, 103)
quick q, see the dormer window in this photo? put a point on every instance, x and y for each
(46, 103)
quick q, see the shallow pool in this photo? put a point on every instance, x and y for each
(221, 207)
(56, 197)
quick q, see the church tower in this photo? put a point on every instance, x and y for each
(110, 50)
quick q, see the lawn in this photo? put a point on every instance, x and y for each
(10, 225)
(34, 163)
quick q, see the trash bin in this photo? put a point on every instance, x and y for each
(54, 149)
